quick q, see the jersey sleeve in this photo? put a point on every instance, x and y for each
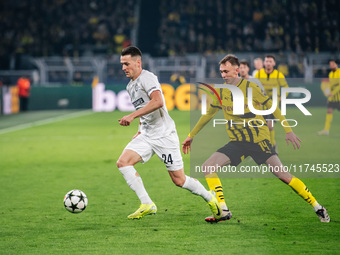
(282, 80)
(215, 106)
(204, 120)
(150, 84)
(258, 95)
(258, 83)
(267, 102)
(277, 114)
(216, 101)
(334, 82)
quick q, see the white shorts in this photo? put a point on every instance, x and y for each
(166, 148)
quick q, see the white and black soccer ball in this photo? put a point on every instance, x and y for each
(75, 201)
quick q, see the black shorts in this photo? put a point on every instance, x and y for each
(238, 151)
(334, 105)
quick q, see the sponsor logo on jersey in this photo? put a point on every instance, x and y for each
(138, 102)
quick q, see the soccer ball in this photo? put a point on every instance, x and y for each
(75, 201)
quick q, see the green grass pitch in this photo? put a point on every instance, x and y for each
(40, 164)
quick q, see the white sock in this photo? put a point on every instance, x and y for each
(136, 184)
(224, 207)
(317, 207)
(195, 187)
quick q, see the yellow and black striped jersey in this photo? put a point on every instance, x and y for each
(334, 85)
(251, 127)
(272, 80)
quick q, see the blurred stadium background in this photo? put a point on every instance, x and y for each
(62, 43)
(66, 46)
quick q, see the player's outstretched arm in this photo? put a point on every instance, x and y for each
(156, 102)
(187, 145)
(199, 125)
(292, 137)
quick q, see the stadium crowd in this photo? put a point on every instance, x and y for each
(64, 27)
(73, 28)
(59, 27)
(247, 25)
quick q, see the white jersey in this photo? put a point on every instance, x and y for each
(254, 72)
(158, 123)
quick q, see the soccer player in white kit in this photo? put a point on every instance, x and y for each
(156, 135)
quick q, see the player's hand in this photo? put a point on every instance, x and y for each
(187, 145)
(126, 120)
(138, 133)
(294, 140)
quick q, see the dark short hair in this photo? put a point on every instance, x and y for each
(270, 56)
(232, 59)
(333, 60)
(131, 50)
(244, 62)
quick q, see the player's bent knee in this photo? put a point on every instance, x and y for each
(126, 161)
(178, 182)
(121, 163)
(178, 177)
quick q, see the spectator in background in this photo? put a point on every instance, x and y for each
(271, 78)
(258, 64)
(47, 28)
(190, 26)
(24, 87)
(176, 78)
(244, 73)
(333, 95)
(77, 79)
(293, 63)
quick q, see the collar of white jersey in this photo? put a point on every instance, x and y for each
(133, 81)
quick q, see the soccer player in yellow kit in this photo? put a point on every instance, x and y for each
(333, 94)
(247, 140)
(271, 78)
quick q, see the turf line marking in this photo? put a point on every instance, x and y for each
(46, 121)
